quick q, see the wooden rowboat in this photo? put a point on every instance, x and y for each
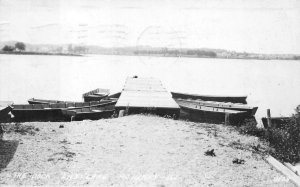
(93, 113)
(225, 105)
(207, 113)
(44, 101)
(51, 112)
(114, 96)
(232, 99)
(95, 95)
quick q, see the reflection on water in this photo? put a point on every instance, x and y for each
(268, 84)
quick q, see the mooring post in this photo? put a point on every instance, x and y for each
(269, 118)
(1, 132)
(227, 121)
(121, 113)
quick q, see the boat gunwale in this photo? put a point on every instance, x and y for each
(219, 104)
(228, 111)
(109, 102)
(93, 112)
(223, 96)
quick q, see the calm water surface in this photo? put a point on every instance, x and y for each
(268, 84)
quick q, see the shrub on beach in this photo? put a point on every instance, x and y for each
(285, 140)
(250, 127)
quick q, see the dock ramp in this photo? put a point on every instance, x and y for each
(147, 95)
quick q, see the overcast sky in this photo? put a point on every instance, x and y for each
(266, 26)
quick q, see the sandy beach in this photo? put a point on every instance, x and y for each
(134, 150)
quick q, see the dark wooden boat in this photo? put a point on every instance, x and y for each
(207, 113)
(5, 108)
(95, 95)
(114, 96)
(232, 99)
(277, 122)
(225, 105)
(92, 113)
(52, 111)
(44, 101)
(36, 112)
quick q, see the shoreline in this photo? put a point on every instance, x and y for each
(143, 55)
(183, 56)
(39, 53)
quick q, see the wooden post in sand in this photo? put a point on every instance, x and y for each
(121, 113)
(269, 118)
(1, 132)
(227, 121)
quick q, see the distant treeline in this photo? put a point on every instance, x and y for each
(19, 49)
(176, 52)
(296, 57)
(36, 53)
(79, 49)
(19, 46)
(201, 53)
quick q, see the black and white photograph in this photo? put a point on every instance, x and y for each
(155, 93)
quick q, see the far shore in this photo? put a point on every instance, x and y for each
(140, 55)
(189, 56)
(38, 53)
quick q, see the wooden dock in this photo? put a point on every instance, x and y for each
(147, 95)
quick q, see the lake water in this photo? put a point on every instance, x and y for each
(268, 84)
